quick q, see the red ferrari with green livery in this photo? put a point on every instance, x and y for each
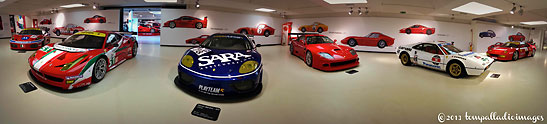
(81, 59)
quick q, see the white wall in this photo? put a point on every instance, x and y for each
(502, 35)
(218, 22)
(5, 23)
(341, 27)
(61, 19)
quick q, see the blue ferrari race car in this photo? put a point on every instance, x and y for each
(224, 65)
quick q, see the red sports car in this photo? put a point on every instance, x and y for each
(517, 37)
(186, 22)
(95, 19)
(197, 40)
(372, 39)
(29, 39)
(320, 52)
(418, 29)
(148, 29)
(512, 51)
(45, 22)
(69, 29)
(495, 45)
(81, 59)
(261, 29)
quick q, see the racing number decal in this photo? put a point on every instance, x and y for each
(436, 58)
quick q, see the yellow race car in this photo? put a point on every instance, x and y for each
(315, 27)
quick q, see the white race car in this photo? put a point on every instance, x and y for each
(445, 57)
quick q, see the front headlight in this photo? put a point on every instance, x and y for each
(187, 61)
(71, 64)
(326, 55)
(354, 53)
(248, 66)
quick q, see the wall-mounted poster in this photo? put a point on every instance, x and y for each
(488, 33)
(21, 22)
(69, 29)
(517, 37)
(418, 29)
(187, 22)
(1, 24)
(45, 22)
(315, 27)
(95, 19)
(373, 39)
(260, 30)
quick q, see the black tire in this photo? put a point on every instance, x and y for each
(134, 50)
(244, 32)
(303, 29)
(195, 42)
(75, 31)
(102, 21)
(428, 32)
(291, 49)
(515, 56)
(320, 30)
(199, 25)
(58, 33)
(87, 21)
(381, 44)
(152, 31)
(456, 70)
(408, 31)
(533, 53)
(405, 59)
(480, 36)
(309, 59)
(352, 42)
(172, 25)
(266, 33)
(99, 70)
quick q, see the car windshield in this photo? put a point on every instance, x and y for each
(30, 32)
(318, 40)
(451, 49)
(84, 41)
(509, 45)
(227, 42)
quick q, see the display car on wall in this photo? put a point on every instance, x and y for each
(488, 33)
(223, 66)
(372, 39)
(418, 29)
(81, 59)
(320, 52)
(261, 30)
(69, 29)
(29, 39)
(95, 19)
(497, 44)
(445, 57)
(147, 29)
(315, 27)
(517, 37)
(512, 51)
(45, 22)
(186, 22)
(197, 40)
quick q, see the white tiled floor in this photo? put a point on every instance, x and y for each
(383, 91)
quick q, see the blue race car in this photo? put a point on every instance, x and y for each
(223, 66)
(488, 33)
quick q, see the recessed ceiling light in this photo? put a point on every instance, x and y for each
(163, 1)
(345, 1)
(73, 5)
(534, 23)
(264, 10)
(2, 0)
(476, 8)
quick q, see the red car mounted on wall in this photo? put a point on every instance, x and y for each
(95, 19)
(261, 29)
(517, 37)
(186, 22)
(418, 29)
(372, 39)
(197, 40)
(45, 22)
(69, 29)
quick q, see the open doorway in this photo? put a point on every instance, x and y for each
(145, 22)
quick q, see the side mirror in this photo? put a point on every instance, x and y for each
(258, 45)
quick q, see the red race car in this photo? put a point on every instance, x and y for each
(418, 29)
(517, 37)
(261, 29)
(69, 29)
(45, 22)
(320, 52)
(495, 45)
(197, 40)
(512, 51)
(81, 59)
(148, 29)
(372, 39)
(186, 22)
(95, 19)
(29, 39)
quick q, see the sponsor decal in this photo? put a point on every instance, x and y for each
(224, 58)
(24, 38)
(98, 34)
(459, 57)
(436, 59)
(69, 49)
(211, 90)
(430, 65)
(200, 51)
(27, 42)
(468, 54)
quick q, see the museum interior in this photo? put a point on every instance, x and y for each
(273, 61)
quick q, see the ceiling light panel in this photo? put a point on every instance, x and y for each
(73, 5)
(476, 8)
(264, 10)
(534, 23)
(161, 1)
(345, 1)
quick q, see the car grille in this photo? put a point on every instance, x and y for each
(343, 63)
(48, 76)
(493, 55)
(14, 45)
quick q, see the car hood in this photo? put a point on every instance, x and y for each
(215, 62)
(52, 59)
(335, 50)
(473, 59)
